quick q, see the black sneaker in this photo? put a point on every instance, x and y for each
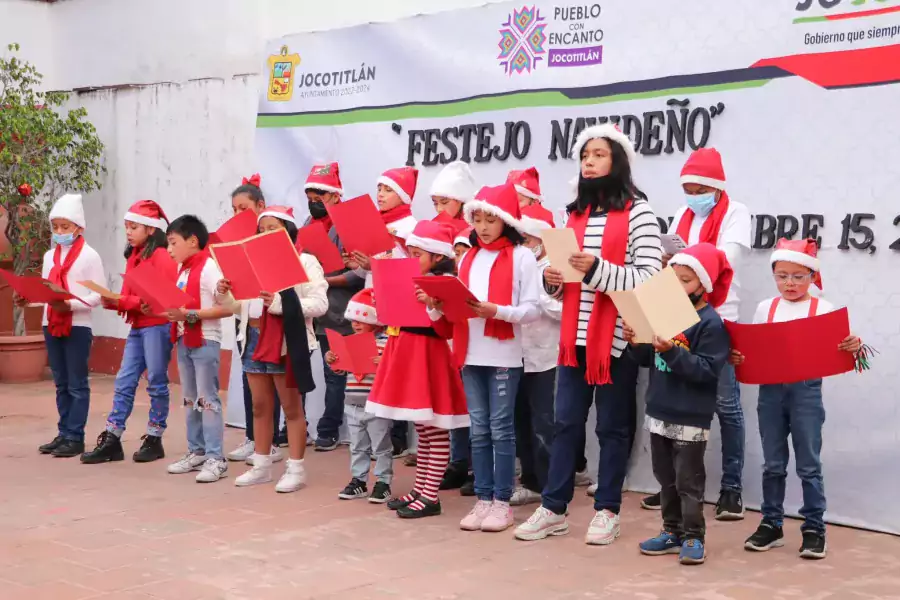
(766, 537)
(355, 489)
(468, 488)
(398, 503)
(381, 493)
(652, 502)
(326, 444)
(813, 546)
(68, 449)
(50, 447)
(109, 449)
(729, 507)
(400, 450)
(151, 449)
(429, 509)
(455, 476)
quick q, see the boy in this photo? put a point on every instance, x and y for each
(794, 409)
(681, 402)
(370, 436)
(197, 329)
(528, 186)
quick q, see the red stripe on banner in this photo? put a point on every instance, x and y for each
(842, 68)
(865, 13)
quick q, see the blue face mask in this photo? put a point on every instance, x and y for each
(701, 204)
(63, 239)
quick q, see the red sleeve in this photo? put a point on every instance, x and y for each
(443, 328)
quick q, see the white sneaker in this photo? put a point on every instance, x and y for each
(294, 477)
(276, 455)
(187, 463)
(582, 479)
(523, 496)
(261, 472)
(591, 490)
(603, 530)
(213, 470)
(242, 452)
(541, 524)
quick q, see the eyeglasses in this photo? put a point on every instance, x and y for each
(797, 278)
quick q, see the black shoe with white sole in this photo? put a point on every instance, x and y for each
(730, 507)
(651, 502)
(381, 493)
(766, 537)
(326, 444)
(813, 546)
(355, 489)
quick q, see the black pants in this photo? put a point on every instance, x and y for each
(534, 427)
(248, 412)
(679, 469)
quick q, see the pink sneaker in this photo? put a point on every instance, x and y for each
(473, 520)
(499, 519)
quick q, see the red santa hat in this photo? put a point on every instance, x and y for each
(536, 218)
(500, 200)
(149, 213)
(800, 252)
(403, 181)
(527, 182)
(324, 178)
(455, 224)
(361, 308)
(610, 132)
(432, 236)
(285, 213)
(68, 207)
(463, 237)
(712, 268)
(455, 181)
(704, 166)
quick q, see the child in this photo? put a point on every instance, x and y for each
(681, 402)
(148, 346)
(275, 356)
(370, 436)
(418, 382)
(452, 188)
(67, 325)
(503, 275)
(794, 409)
(462, 244)
(528, 186)
(396, 190)
(197, 331)
(540, 342)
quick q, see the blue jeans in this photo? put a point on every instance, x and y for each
(616, 415)
(68, 358)
(731, 423)
(491, 397)
(333, 416)
(150, 349)
(794, 409)
(460, 447)
(199, 370)
(534, 427)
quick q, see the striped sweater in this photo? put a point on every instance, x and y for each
(357, 392)
(643, 258)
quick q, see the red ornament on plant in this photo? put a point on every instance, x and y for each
(24, 190)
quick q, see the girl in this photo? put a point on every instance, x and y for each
(452, 188)
(284, 331)
(528, 186)
(148, 346)
(67, 325)
(503, 275)
(619, 234)
(417, 381)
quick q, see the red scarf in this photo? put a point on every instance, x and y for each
(396, 213)
(271, 338)
(602, 323)
(193, 334)
(500, 292)
(709, 232)
(60, 324)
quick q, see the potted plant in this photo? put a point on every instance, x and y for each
(45, 151)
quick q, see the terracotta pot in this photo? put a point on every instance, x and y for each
(22, 359)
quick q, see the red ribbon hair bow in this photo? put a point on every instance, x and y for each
(254, 180)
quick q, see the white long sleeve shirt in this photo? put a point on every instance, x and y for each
(87, 267)
(209, 279)
(540, 338)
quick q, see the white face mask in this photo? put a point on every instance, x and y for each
(538, 250)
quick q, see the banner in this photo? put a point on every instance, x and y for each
(800, 98)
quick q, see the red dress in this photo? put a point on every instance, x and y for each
(417, 382)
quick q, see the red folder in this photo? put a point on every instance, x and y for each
(156, 288)
(360, 226)
(355, 353)
(267, 262)
(452, 293)
(395, 292)
(314, 239)
(37, 290)
(792, 351)
(239, 227)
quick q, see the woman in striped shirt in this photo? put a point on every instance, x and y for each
(619, 236)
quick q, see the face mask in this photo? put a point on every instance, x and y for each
(63, 239)
(701, 204)
(595, 191)
(317, 210)
(537, 251)
(697, 296)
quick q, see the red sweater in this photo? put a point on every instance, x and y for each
(130, 305)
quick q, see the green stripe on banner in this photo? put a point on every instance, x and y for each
(810, 20)
(455, 108)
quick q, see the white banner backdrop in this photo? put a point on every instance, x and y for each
(796, 96)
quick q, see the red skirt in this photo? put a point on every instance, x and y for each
(417, 382)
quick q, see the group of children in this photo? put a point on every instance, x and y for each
(494, 375)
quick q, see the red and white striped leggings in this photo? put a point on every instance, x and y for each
(432, 458)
